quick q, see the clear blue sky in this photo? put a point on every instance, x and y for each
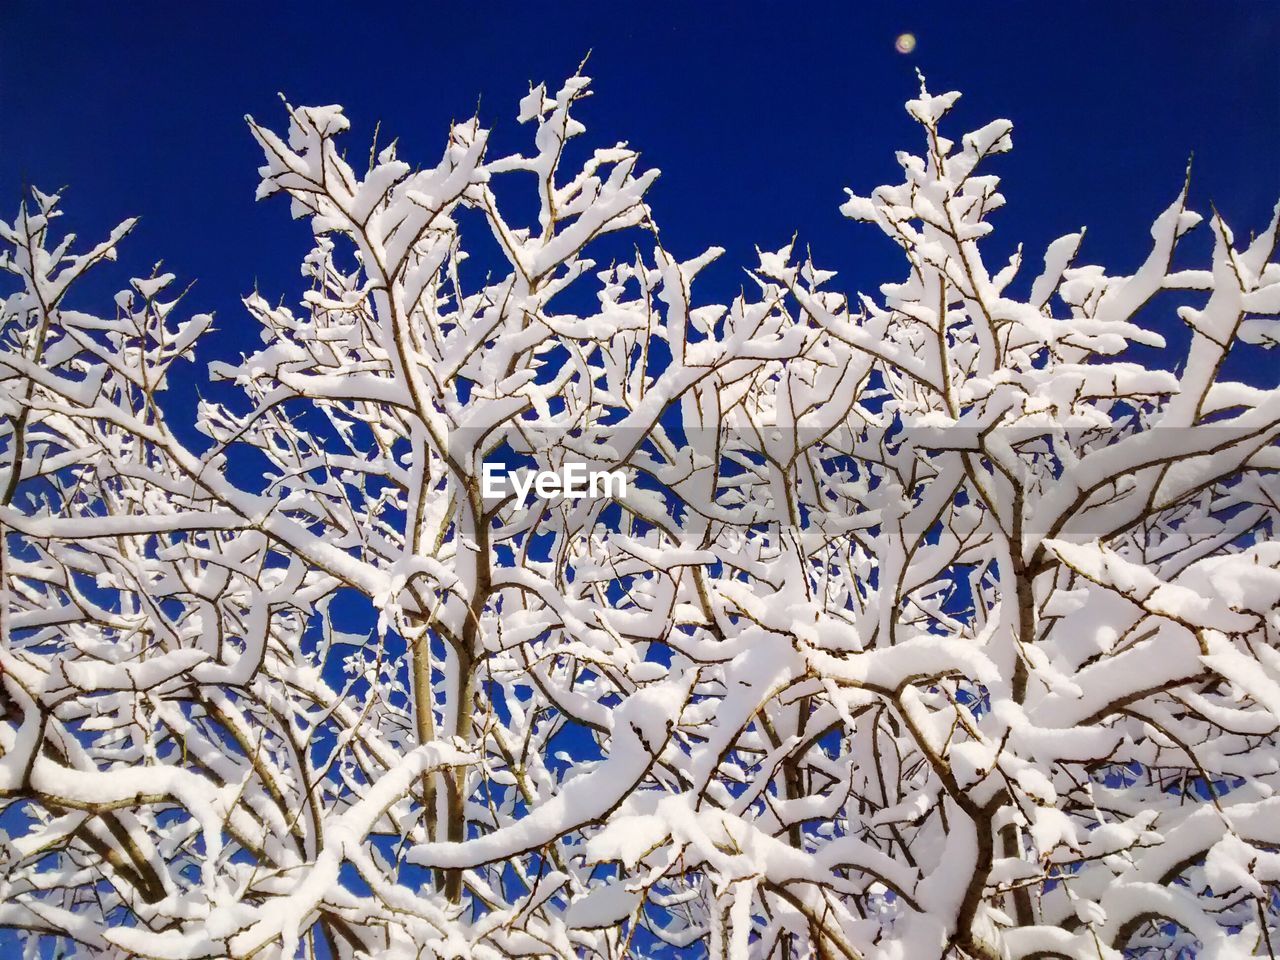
(758, 114)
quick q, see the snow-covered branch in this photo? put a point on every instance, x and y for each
(927, 623)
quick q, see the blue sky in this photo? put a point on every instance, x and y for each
(758, 114)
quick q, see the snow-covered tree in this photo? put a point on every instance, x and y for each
(926, 624)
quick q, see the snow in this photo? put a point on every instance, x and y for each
(928, 622)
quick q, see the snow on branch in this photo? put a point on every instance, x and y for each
(927, 623)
